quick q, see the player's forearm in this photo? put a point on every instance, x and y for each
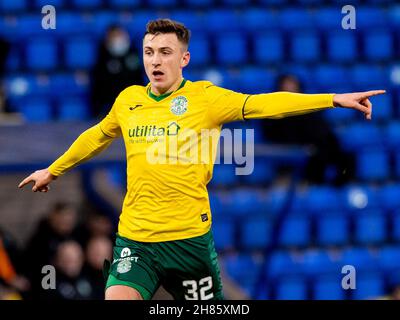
(88, 144)
(283, 104)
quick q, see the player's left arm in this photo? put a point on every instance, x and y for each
(283, 104)
(227, 105)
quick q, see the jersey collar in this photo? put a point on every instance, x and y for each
(164, 95)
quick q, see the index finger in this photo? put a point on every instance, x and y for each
(371, 93)
(25, 181)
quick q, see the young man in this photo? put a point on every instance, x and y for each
(164, 232)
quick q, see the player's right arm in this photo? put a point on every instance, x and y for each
(90, 143)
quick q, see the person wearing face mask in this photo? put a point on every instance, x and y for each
(117, 67)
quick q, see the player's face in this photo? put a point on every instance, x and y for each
(164, 57)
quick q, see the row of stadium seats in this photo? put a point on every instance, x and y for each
(248, 20)
(336, 229)
(80, 52)
(375, 163)
(316, 273)
(315, 201)
(21, 5)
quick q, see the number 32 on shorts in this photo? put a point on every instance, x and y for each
(194, 288)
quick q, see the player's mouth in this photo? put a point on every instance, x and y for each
(157, 74)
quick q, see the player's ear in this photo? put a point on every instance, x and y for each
(185, 59)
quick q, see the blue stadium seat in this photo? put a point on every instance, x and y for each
(389, 258)
(29, 25)
(125, 4)
(259, 20)
(73, 109)
(318, 262)
(36, 110)
(389, 197)
(272, 2)
(224, 175)
(41, 54)
(328, 18)
(268, 48)
(394, 16)
(244, 269)
(340, 116)
(397, 164)
(371, 18)
(162, 3)
(333, 229)
(378, 45)
(224, 233)
(359, 136)
(58, 4)
(370, 227)
(368, 77)
(328, 77)
(396, 225)
(255, 233)
(342, 47)
(373, 165)
(382, 107)
(80, 52)
(296, 231)
(369, 286)
(14, 59)
(291, 289)
(328, 288)
(70, 84)
(11, 6)
(392, 135)
(321, 199)
(222, 21)
(357, 198)
(233, 3)
(198, 3)
(193, 20)
(87, 4)
(305, 47)
(70, 23)
(231, 49)
(255, 80)
(281, 264)
(263, 173)
(361, 258)
(200, 51)
(246, 203)
(295, 18)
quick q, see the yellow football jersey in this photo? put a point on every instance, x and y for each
(169, 162)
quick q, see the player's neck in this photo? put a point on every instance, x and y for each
(172, 88)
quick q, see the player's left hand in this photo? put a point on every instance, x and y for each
(357, 100)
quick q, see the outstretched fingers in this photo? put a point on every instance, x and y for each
(25, 181)
(372, 93)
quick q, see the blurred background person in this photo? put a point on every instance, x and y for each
(97, 250)
(118, 67)
(328, 161)
(59, 225)
(70, 283)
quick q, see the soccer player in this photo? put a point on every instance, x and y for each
(164, 234)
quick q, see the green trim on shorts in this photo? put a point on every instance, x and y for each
(113, 281)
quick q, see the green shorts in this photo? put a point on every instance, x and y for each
(188, 269)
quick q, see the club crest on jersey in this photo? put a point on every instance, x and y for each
(124, 266)
(179, 105)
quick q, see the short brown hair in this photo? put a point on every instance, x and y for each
(169, 26)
